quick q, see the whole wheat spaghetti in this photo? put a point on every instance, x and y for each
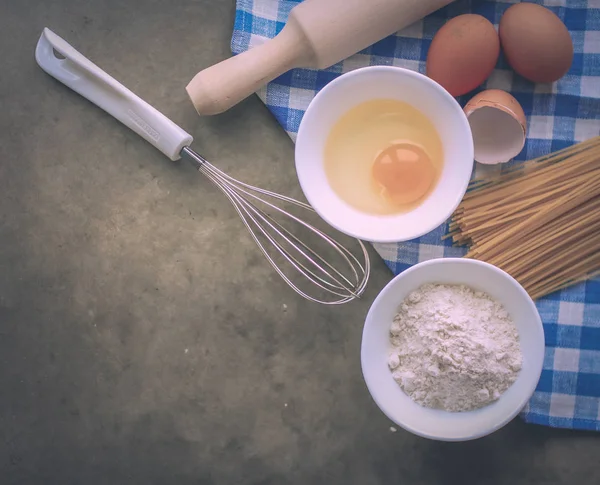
(539, 221)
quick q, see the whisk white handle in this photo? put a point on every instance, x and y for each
(91, 82)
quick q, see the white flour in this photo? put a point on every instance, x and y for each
(453, 348)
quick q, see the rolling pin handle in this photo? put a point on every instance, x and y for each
(223, 85)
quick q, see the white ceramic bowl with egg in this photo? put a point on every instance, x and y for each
(379, 82)
(434, 423)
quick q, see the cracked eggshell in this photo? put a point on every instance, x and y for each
(498, 125)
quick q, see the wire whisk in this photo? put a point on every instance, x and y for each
(343, 285)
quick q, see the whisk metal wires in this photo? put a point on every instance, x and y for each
(342, 285)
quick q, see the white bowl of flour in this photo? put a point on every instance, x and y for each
(404, 319)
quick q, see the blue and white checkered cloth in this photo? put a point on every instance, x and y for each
(568, 111)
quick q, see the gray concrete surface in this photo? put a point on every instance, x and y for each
(143, 339)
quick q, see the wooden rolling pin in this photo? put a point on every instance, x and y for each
(318, 34)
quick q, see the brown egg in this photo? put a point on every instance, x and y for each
(536, 43)
(463, 53)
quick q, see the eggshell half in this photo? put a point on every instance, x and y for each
(498, 125)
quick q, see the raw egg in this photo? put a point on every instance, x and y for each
(463, 53)
(535, 42)
(383, 156)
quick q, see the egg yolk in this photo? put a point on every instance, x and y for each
(404, 172)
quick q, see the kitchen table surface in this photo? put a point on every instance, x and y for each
(143, 338)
